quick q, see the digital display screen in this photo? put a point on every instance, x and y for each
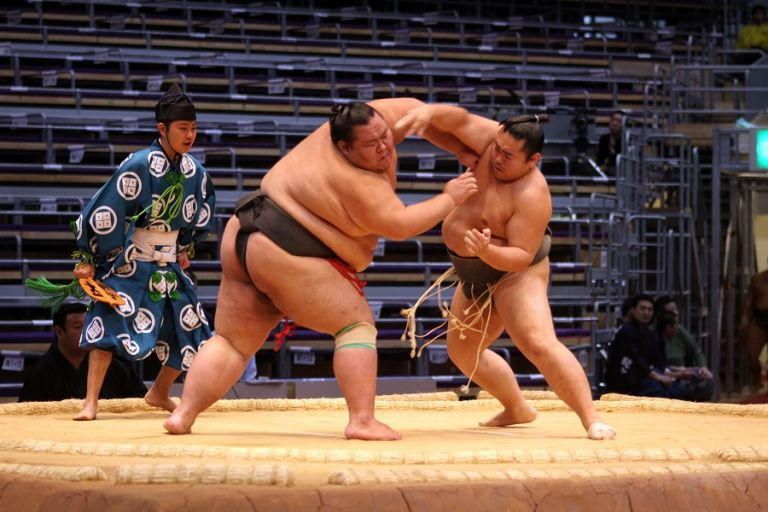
(759, 150)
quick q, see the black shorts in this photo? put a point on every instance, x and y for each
(257, 212)
(476, 275)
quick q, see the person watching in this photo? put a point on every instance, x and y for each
(62, 372)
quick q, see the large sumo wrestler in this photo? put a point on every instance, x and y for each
(294, 247)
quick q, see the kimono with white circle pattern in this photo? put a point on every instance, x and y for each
(163, 314)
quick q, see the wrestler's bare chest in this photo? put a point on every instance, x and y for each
(490, 208)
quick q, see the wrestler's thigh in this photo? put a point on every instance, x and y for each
(308, 290)
(244, 315)
(522, 302)
(485, 328)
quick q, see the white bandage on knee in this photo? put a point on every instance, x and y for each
(360, 335)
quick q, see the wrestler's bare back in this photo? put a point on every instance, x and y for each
(310, 183)
(322, 190)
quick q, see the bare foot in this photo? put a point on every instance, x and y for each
(87, 413)
(599, 431)
(370, 430)
(158, 400)
(523, 414)
(177, 425)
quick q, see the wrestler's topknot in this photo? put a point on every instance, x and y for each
(527, 128)
(345, 116)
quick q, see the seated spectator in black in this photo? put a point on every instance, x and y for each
(609, 144)
(685, 361)
(626, 312)
(62, 372)
(753, 36)
(636, 359)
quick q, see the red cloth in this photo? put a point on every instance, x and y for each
(349, 274)
(287, 330)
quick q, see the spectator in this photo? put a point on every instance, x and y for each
(626, 312)
(62, 372)
(753, 36)
(684, 359)
(626, 307)
(610, 144)
(682, 349)
(636, 359)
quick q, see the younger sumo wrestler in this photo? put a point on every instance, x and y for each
(498, 244)
(317, 219)
(136, 235)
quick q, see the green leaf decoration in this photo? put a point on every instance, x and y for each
(84, 257)
(170, 198)
(54, 295)
(174, 177)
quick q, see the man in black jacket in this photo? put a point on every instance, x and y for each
(62, 372)
(636, 359)
(609, 144)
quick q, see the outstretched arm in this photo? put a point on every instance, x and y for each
(463, 153)
(393, 110)
(450, 127)
(376, 208)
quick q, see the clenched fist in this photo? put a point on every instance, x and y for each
(477, 241)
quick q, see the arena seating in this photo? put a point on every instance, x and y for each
(78, 82)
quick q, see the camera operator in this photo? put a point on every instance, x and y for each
(610, 144)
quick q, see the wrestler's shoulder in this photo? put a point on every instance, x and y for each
(536, 183)
(366, 185)
(530, 191)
